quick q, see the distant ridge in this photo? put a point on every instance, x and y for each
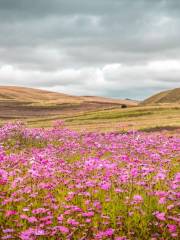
(165, 97)
(38, 97)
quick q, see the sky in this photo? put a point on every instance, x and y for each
(113, 48)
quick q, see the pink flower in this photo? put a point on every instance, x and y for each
(26, 234)
(162, 200)
(10, 213)
(88, 214)
(39, 232)
(3, 176)
(118, 190)
(169, 207)
(25, 209)
(161, 193)
(72, 222)
(8, 230)
(32, 219)
(160, 216)
(109, 232)
(105, 186)
(160, 176)
(60, 218)
(172, 228)
(39, 210)
(137, 199)
(23, 216)
(88, 220)
(63, 229)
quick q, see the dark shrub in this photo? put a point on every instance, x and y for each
(123, 106)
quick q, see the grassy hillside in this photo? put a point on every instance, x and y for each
(170, 96)
(146, 118)
(40, 108)
(34, 96)
(41, 97)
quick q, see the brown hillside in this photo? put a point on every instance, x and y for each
(37, 96)
(170, 96)
(31, 95)
(25, 103)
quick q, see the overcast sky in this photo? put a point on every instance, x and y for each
(117, 48)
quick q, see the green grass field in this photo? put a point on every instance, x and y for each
(40, 108)
(140, 118)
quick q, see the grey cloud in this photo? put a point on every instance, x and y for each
(50, 40)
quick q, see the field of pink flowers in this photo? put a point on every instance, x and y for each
(60, 184)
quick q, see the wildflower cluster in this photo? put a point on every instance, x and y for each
(60, 184)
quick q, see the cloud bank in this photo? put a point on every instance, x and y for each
(117, 48)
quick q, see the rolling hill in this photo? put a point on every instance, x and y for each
(40, 108)
(24, 103)
(37, 96)
(165, 97)
(34, 96)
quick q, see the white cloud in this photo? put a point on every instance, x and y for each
(113, 48)
(97, 81)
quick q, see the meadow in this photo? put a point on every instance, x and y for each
(143, 118)
(39, 108)
(59, 183)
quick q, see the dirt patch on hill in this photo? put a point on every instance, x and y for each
(23, 110)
